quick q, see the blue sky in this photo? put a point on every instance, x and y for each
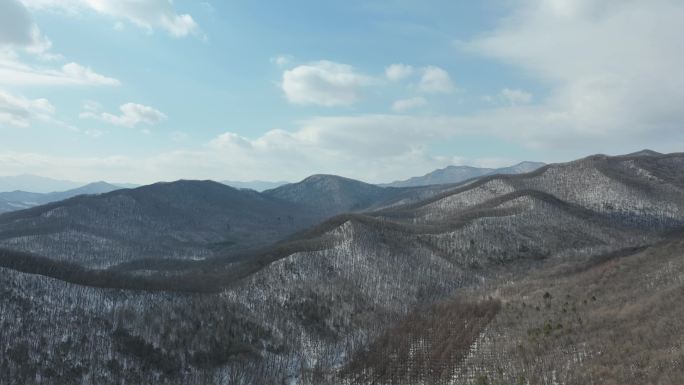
(147, 90)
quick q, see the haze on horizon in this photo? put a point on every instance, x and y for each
(139, 92)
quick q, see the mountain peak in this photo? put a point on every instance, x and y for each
(331, 194)
(645, 152)
(318, 178)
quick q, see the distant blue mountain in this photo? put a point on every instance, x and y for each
(19, 200)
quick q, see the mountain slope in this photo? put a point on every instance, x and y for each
(457, 174)
(641, 189)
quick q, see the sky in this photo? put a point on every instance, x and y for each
(141, 91)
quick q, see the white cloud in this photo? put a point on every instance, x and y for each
(613, 68)
(18, 30)
(84, 75)
(370, 147)
(324, 83)
(396, 72)
(510, 97)
(16, 25)
(148, 14)
(435, 80)
(611, 72)
(132, 114)
(19, 34)
(18, 111)
(374, 148)
(404, 105)
(515, 96)
(13, 72)
(281, 60)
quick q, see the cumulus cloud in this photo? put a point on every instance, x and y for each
(18, 111)
(396, 72)
(16, 25)
(148, 14)
(132, 114)
(18, 30)
(324, 83)
(370, 147)
(79, 74)
(435, 80)
(404, 105)
(375, 148)
(20, 34)
(613, 68)
(611, 72)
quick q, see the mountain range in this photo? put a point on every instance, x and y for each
(25, 191)
(37, 184)
(17, 200)
(457, 174)
(558, 275)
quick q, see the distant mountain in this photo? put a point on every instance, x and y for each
(457, 174)
(645, 152)
(18, 200)
(89, 189)
(188, 219)
(331, 194)
(183, 219)
(520, 168)
(256, 185)
(34, 183)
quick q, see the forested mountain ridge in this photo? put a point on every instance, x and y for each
(635, 187)
(332, 194)
(508, 278)
(184, 219)
(189, 220)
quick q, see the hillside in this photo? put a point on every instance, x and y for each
(449, 288)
